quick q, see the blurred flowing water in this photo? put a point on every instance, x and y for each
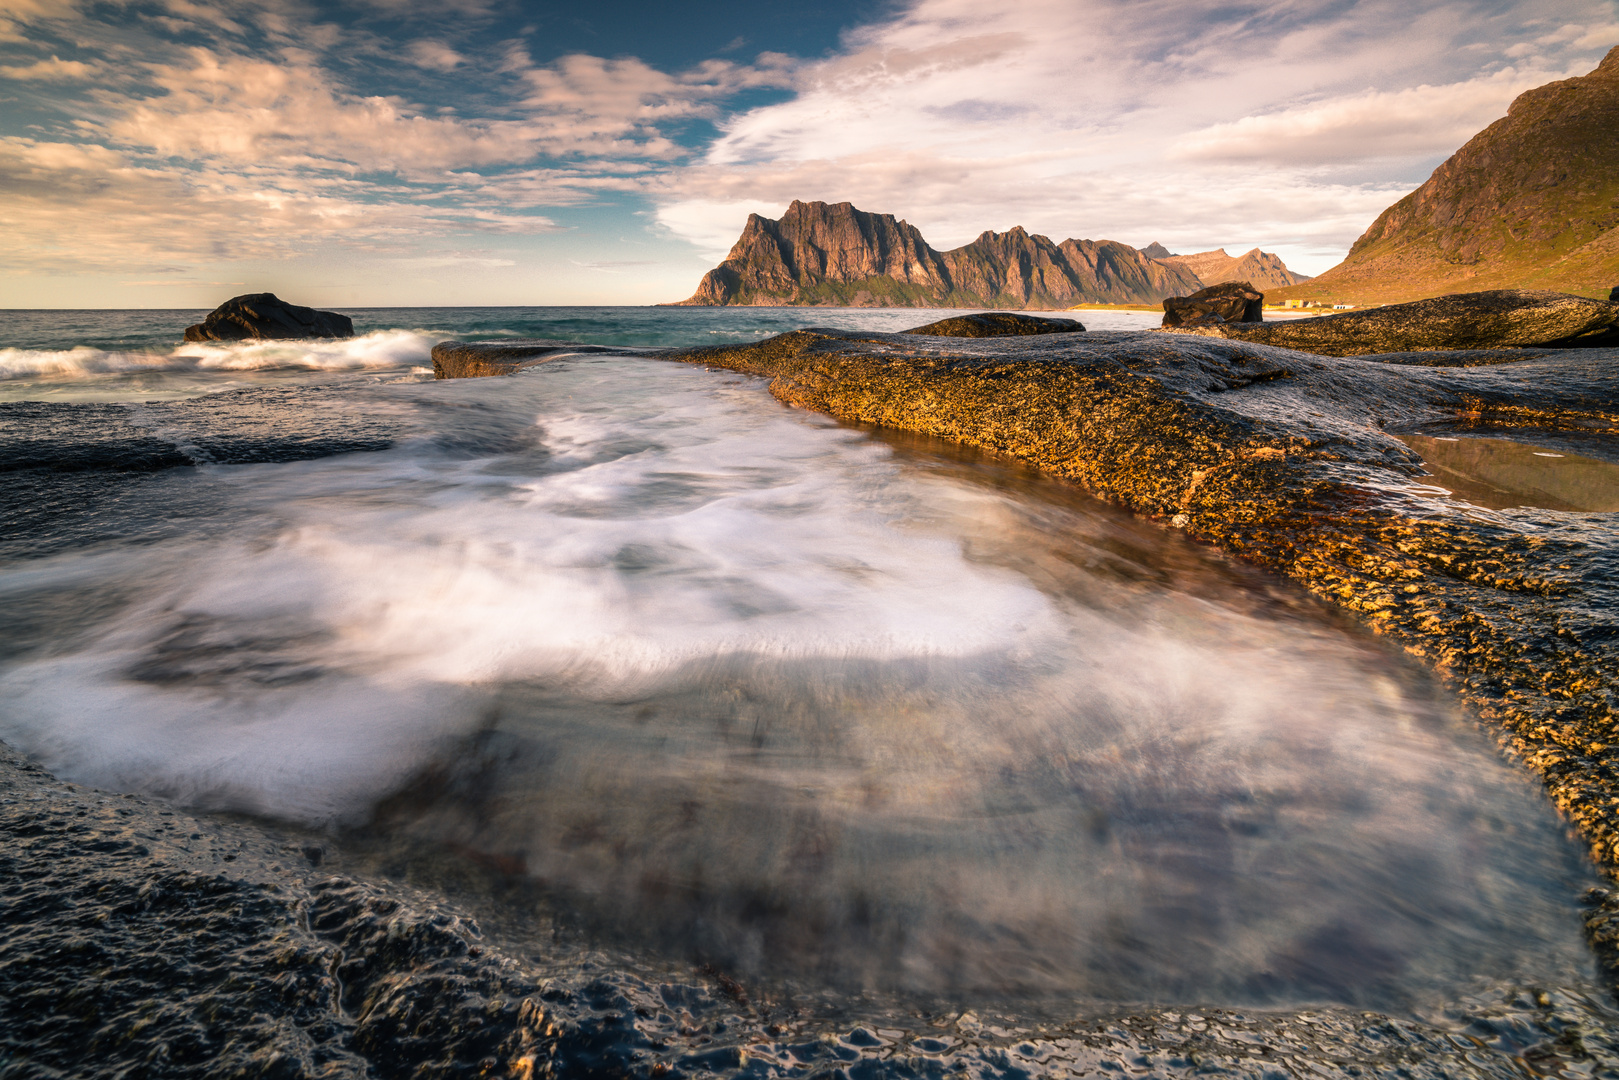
(737, 683)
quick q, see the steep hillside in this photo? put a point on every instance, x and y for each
(833, 254)
(1259, 268)
(1531, 202)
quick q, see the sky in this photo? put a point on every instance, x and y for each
(173, 153)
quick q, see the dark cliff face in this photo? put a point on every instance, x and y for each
(821, 253)
(1532, 202)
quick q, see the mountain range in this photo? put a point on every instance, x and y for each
(834, 254)
(1260, 269)
(1531, 202)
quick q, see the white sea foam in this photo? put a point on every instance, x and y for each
(83, 360)
(392, 574)
(382, 349)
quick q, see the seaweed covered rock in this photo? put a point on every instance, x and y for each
(1500, 318)
(1228, 302)
(265, 315)
(997, 324)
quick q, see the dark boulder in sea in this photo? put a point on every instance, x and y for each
(1501, 318)
(997, 324)
(1230, 302)
(265, 315)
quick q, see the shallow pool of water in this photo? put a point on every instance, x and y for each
(1495, 471)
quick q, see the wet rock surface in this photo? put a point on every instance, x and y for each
(1231, 302)
(265, 315)
(66, 469)
(142, 942)
(997, 324)
(1503, 318)
(476, 359)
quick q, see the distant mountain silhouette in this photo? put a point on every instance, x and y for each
(1531, 202)
(833, 254)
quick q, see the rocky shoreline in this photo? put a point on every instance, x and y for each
(147, 942)
(1286, 459)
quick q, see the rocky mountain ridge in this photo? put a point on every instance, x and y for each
(1259, 268)
(1530, 202)
(835, 254)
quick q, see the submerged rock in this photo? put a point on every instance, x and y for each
(265, 315)
(997, 324)
(477, 359)
(1502, 318)
(1230, 302)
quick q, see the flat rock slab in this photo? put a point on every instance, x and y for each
(261, 316)
(478, 359)
(997, 324)
(1481, 320)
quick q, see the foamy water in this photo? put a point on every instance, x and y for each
(83, 373)
(734, 681)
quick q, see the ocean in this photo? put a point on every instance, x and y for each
(721, 680)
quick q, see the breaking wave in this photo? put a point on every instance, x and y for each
(381, 349)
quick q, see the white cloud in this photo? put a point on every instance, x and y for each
(1284, 123)
(434, 56)
(1418, 122)
(78, 206)
(218, 153)
(1598, 37)
(53, 70)
(253, 111)
(37, 9)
